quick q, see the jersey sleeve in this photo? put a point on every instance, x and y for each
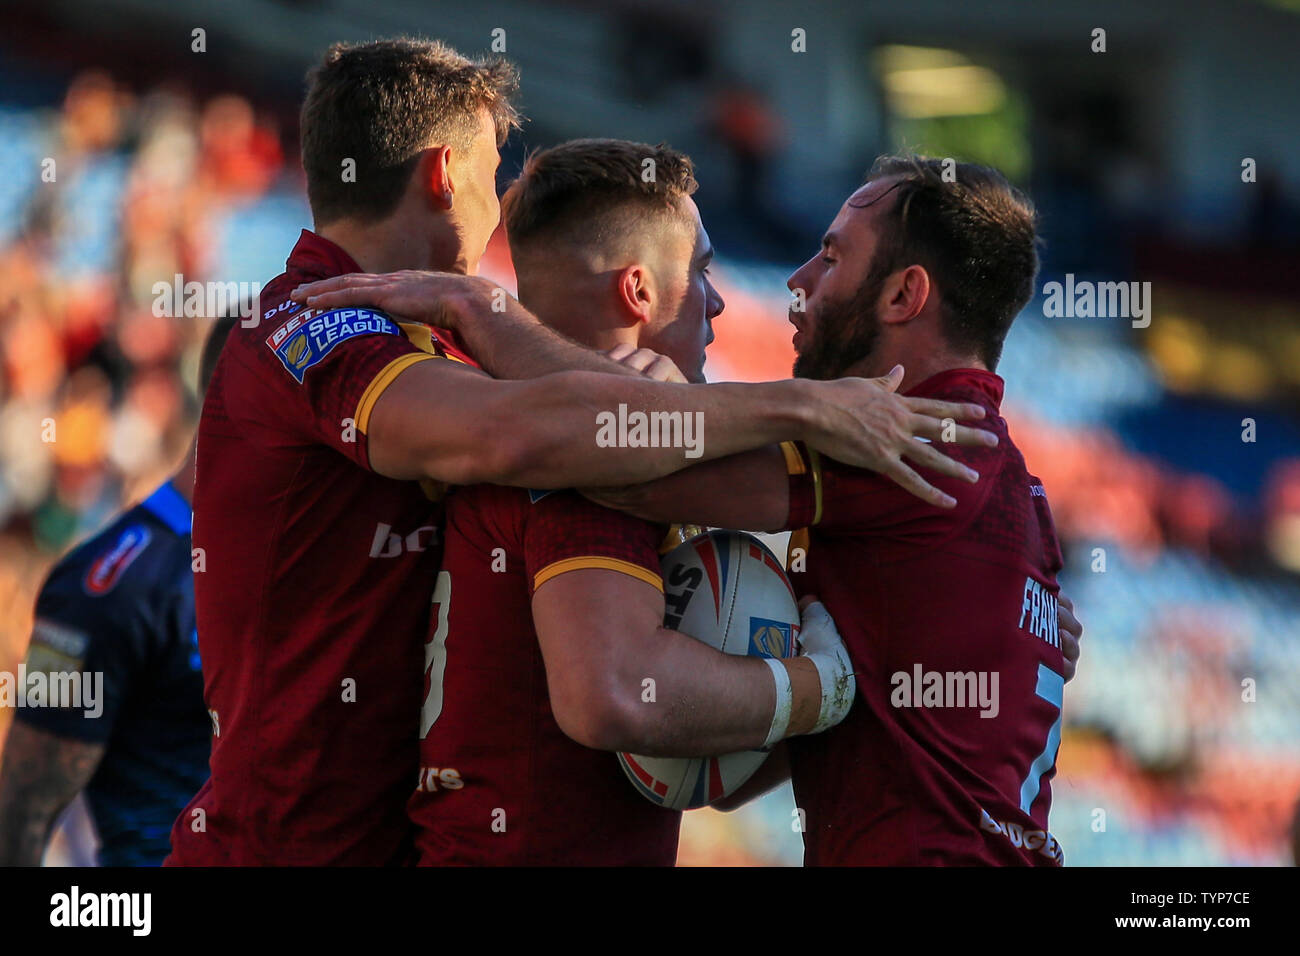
(803, 466)
(318, 377)
(89, 637)
(836, 497)
(566, 532)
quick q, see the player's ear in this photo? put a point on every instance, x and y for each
(635, 295)
(904, 294)
(434, 173)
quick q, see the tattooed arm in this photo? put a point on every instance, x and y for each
(39, 776)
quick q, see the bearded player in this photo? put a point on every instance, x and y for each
(326, 429)
(442, 777)
(921, 273)
(549, 609)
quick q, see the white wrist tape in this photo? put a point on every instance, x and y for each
(821, 643)
(784, 703)
(837, 689)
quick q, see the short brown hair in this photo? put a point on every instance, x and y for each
(380, 104)
(974, 233)
(576, 191)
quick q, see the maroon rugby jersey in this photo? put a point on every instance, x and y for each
(500, 783)
(313, 594)
(934, 606)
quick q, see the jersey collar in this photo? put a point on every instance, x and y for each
(170, 507)
(316, 257)
(945, 381)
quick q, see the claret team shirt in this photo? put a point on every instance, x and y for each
(499, 782)
(313, 582)
(950, 617)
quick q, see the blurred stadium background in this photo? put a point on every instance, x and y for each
(174, 161)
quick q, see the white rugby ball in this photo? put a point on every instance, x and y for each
(727, 589)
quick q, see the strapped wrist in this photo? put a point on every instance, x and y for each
(784, 703)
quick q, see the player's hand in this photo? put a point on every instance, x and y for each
(443, 299)
(872, 427)
(649, 363)
(820, 643)
(1070, 631)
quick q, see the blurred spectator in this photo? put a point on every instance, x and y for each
(93, 404)
(750, 130)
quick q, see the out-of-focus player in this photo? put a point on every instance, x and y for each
(325, 427)
(120, 605)
(549, 608)
(951, 616)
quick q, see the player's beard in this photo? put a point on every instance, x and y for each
(843, 333)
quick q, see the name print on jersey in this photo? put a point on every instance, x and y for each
(1040, 607)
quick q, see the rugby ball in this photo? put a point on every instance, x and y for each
(727, 589)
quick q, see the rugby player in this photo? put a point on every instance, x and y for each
(120, 605)
(328, 429)
(927, 274)
(559, 602)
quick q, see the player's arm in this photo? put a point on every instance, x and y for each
(1070, 629)
(603, 642)
(751, 490)
(446, 421)
(52, 752)
(503, 336)
(507, 439)
(746, 492)
(40, 774)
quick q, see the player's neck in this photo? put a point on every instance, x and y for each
(390, 246)
(918, 364)
(554, 307)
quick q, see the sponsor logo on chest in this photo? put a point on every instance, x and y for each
(388, 543)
